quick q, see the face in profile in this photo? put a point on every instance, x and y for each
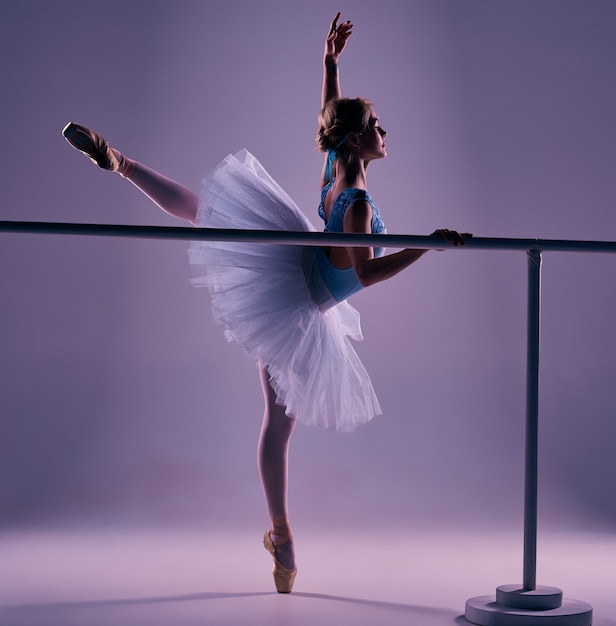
(372, 140)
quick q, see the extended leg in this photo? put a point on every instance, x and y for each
(169, 195)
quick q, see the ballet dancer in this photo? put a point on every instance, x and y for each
(285, 305)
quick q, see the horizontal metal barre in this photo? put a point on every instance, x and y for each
(300, 238)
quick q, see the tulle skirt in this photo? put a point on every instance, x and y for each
(264, 296)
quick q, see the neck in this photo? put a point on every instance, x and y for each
(353, 173)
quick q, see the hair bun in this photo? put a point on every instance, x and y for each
(340, 117)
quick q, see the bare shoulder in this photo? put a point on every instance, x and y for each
(358, 216)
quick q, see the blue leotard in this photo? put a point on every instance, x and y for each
(342, 283)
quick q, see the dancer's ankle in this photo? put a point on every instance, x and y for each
(282, 541)
(281, 531)
(125, 165)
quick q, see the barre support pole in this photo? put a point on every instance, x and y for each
(532, 419)
(528, 604)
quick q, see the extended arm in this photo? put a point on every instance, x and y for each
(334, 45)
(370, 270)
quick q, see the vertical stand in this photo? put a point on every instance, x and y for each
(532, 419)
(529, 605)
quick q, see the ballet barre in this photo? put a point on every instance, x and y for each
(424, 242)
(527, 604)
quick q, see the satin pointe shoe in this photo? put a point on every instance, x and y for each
(92, 145)
(283, 577)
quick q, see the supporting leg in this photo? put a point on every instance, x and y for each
(273, 452)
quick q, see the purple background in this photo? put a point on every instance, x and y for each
(121, 401)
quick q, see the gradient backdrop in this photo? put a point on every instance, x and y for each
(121, 402)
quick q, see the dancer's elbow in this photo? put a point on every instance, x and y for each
(366, 274)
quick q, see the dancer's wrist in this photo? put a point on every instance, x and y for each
(331, 63)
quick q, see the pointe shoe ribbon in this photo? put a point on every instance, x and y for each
(283, 577)
(92, 145)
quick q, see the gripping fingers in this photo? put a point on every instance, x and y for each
(451, 236)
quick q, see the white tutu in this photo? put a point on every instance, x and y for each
(261, 296)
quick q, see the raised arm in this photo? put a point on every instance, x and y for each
(334, 45)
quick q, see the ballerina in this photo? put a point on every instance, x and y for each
(285, 305)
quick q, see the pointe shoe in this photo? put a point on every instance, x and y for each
(92, 145)
(283, 577)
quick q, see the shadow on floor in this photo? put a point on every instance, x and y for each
(411, 611)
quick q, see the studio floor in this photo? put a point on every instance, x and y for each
(185, 578)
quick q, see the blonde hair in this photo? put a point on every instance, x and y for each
(337, 119)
